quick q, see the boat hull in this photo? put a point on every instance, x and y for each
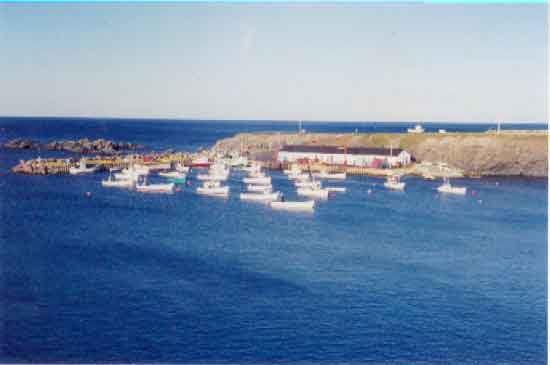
(340, 176)
(156, 188)
(260, 197)
(257, 180)
(259, 188)
(118, 183)
(221, 191)
(395, 186)
(313, 193)
(452, 190)
(308, 205)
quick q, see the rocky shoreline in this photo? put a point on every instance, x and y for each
(517, 153)
(82, 146)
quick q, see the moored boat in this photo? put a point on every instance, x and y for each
(110, 182)
(200, 162)
(308, 184)
(306, 205)
(173, 174)
(448, 188)
(257, 180)
(181, 168)
(82, 168)
(213, 188)
(261, 197)
(144, 187)
(335, 189)
(259, 188)
(314, 193)
(394, 182)
(326, 175)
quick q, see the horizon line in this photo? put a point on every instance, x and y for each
(175, 119)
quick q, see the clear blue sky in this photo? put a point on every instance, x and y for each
(386, 62)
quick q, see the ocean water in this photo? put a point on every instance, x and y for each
(381, 277)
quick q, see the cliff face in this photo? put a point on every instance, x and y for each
(509, 153)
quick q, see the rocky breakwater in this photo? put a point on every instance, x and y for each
(519, 153)
(82, 146)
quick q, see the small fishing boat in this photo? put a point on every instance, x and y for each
(267, 197)
(140, 169)
(307, 184)
(417, 129)
(82, 168)
(394, 182)
(335, 189)
(213, 188)
(181, 168)
(252, 168)
(213, 177)
(257, 180)
(201, 161)
(259, 188)
(144, 187)
(157, 166)
(256, 174)
(448, 188)
(110, 182)
(314, 193)
(240, 161)
(326, 175)
(300, 177)
(294, 170)
(307, 205)
(173, 174)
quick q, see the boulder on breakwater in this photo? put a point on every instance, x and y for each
(82, 146)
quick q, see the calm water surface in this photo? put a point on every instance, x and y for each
(385, 277)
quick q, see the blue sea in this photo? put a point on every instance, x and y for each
(369, 277)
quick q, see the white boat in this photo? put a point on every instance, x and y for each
(314, 193)
(256, 174)
(252, 168)
(259, 188)
(110, 182)
(261, 197)
(173, 174)
(302, 177)
(82, 169)
(326, 175)
(157, 166)
(257, 180)
(140, 169)
(448, 188)
(307, 205)
(239, 161)
(394, 182)
(213, 177)
(181, 168)
(295, 170)
(335, 189)
(201, 161)
(308, 184)
(213, 188)
(417, 129)
(144, 187)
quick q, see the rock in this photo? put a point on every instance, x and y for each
(82, 146)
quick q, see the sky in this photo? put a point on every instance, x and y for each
(311, 61)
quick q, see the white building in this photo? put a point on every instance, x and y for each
(354, 156)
